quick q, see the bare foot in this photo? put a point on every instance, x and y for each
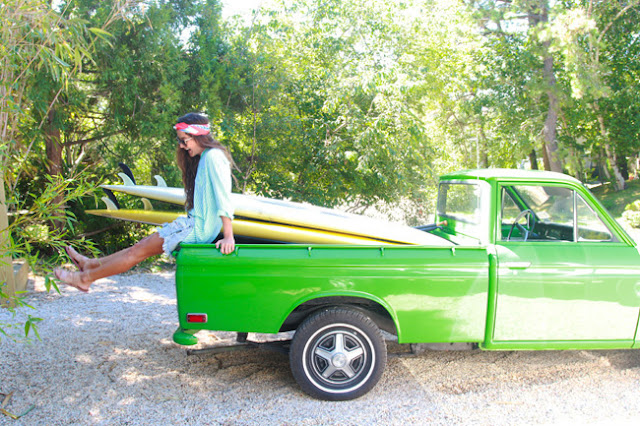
(73, 279)
(79, 260)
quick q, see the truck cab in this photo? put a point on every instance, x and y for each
(567, 273)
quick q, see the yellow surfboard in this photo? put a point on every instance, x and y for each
(250, 228)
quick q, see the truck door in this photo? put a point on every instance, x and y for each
(563, 275)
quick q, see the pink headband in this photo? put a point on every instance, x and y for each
(193, 129)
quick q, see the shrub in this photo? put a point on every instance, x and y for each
(632, 214)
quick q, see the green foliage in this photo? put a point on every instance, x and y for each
(632, 217)
(322, 111)
(33, 237)
(115, 110)
(632, 214)
(39, 45)
(633, 207)
(12, 329)
(32, 229)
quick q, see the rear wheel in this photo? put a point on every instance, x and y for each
(338, 354)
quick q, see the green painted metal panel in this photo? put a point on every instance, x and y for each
(558, 345)
(434, 294)
(566, 291)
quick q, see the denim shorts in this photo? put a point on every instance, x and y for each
(175, 232)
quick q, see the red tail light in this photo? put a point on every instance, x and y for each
(197, 318)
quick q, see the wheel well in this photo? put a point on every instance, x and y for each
(373, 309)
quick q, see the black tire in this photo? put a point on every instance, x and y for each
(337, 354)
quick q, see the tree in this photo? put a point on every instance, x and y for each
(594, 40)
(37, 41)
(525, 22)
(320, 104)
(118, 107)
(34, 38)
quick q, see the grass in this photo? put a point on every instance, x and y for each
(616, 201)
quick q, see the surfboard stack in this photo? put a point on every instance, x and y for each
(269, 220)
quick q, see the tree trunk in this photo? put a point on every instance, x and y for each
(6, 267)
(533, 160)
(623, 165)
(635, 167)
(53, 145)
(545, 158)
(539, 13)
(54, 158)
(610, 151)
(602, 168)
(550, 123)
(618, 181)
(482, 159)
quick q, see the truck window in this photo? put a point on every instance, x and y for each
(590, 227)
(554, 211)
(510, 210)
(459, 201)
(463, 206)
(551, 213)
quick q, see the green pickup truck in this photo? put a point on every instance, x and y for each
(527, 260)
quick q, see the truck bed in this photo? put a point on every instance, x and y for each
(260, 288)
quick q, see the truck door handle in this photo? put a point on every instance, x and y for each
(517, 265)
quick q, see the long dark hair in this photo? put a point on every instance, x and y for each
(189, 165)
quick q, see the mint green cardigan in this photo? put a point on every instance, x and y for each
(211, 197)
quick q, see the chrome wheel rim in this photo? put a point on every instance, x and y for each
(339, 358)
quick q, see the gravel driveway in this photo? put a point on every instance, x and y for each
(107, 358)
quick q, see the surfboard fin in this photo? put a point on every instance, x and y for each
(110, 200)
(127, 171)
(161, 181)
(126, 180)
(109, 203)
(147, 204)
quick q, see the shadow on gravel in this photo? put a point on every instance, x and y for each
(450, 372)
(620, 359)
(460, 372)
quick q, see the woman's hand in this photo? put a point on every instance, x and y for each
(226, 245)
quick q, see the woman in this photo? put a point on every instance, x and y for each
(206, 175)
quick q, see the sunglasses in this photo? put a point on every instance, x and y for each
(183, 142)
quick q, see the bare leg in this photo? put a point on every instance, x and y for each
(113, 264)
(85, 263)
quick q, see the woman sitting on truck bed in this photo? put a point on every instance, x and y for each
(206, 175)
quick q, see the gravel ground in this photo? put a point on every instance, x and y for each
(107, 358)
